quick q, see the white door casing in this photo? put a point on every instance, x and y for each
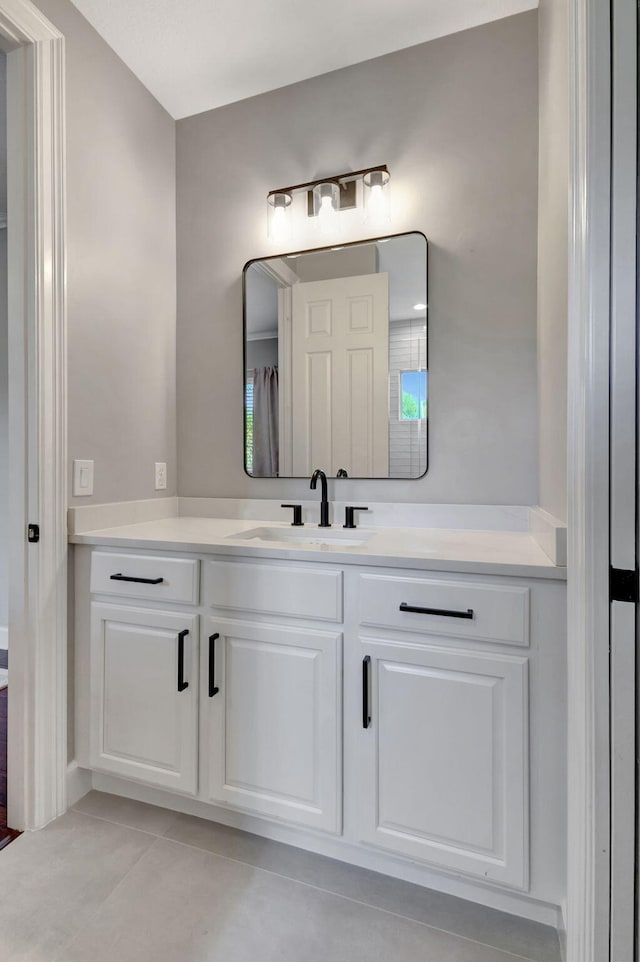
(588, 702)
(624, 494)
(340, 376)
(37, 730)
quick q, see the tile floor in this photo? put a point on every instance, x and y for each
(116, 879)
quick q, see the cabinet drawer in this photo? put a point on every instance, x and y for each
(150, 577)
(293, 592)
(490, 613)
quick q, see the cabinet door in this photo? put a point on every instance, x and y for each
(272, 721)
(444, 759)
(144, 695)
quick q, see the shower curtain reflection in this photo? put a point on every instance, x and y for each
(265, 460)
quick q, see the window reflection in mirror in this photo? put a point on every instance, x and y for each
(335, 348)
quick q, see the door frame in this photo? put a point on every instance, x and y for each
(38, 465)
(37, 727)
(589, 790)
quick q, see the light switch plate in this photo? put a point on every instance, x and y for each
(161, 476)
(82, 479)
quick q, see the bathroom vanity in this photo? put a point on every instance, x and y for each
(391, 697)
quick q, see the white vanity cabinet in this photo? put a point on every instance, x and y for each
(443, 746)
(271, 739)
(443, 757)
(411, 721)
(144, 695)
(271, 735)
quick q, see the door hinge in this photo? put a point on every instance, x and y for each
(33, 533)
(623, 585)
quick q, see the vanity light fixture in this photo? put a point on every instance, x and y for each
(279, 214)
(326, 198)
(326, 205)
(376, 197)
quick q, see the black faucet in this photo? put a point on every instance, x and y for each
(324, 504)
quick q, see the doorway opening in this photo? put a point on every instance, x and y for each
(34, 576)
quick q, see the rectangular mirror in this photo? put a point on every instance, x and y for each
(335, 361)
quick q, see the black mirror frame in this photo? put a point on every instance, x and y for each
(318, 250)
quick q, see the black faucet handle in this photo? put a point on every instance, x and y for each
(297, 514)
(348, 516)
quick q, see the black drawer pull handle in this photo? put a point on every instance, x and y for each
(366, 711)
(182, 684)
(139, 581)
(212, 665)
(437, 611)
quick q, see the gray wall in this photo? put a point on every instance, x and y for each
(553, 240)
(121, 267)
(456, 121)
(262, 353)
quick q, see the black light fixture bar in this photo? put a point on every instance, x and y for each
(339, 179)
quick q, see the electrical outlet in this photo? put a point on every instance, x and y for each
(161, 476)
(82, 479)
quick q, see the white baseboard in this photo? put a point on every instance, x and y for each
(78, 783)
(4, 638)
(337, 848)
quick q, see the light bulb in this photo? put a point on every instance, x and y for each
(325, 215)
(326, 198)
(278, 204)
(375, 200)
(376, 193)
(278, 224)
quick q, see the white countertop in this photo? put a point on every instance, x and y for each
(513, 553)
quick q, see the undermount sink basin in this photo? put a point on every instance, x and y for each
(308, 534)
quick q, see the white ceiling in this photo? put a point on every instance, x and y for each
(194, 55)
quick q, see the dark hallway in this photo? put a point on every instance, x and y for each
(6, 835)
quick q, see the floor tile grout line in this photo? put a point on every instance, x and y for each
(92, 915)
(65, 948)
(317, 888)
(110, 821)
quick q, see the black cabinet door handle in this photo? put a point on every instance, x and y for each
(138, 581)
(182, 684)
(443, 612)
(366, 711)
(212, 665)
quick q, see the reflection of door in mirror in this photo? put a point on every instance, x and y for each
(339, 377)
(336, 361)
